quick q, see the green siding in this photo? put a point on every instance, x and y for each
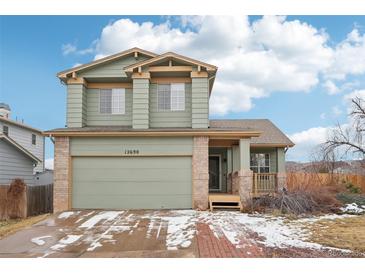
(81, 146)
(76, 105)
(95, 118)
(140, 113)
(244, 148)
(132, 182)
(200, 103)
(111, 69)
(170, 118)
(281, 160)
(235, 158)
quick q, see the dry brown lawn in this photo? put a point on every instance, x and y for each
(346, 233)
(12, 226)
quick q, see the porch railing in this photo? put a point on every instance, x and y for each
(264, 183)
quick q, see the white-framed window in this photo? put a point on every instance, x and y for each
(260, 162)
(112, 101)
(178, 96)
(163, 97)
(171, 97)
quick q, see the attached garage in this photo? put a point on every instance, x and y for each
(105, 177)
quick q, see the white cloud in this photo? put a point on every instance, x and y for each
(355, 93)
(323, 116)
(252, 61)
(68, 49)
(305, 141)
(272, 54)
(349, 57)
(331, 87)
(49, 163)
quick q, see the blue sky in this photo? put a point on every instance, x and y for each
(33, 50)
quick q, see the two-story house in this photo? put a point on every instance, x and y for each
(138, 135)
(21, 149)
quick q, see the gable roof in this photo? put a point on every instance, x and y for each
(64, 73)
(271, 135)
(16, 123)
(20, 148)
(168, 55)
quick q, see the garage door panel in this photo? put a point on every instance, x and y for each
(131, 182)
(134, 174)
(135, 202)
(132, 188)
(133, 162)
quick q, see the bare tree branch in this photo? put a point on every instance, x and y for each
(349, 138)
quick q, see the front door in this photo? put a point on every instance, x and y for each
(214, 173)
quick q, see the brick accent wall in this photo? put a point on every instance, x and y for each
(245, 178)
(61, 184)
(200, 163)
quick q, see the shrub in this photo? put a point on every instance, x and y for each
(16, 199)
(351, 187)
(301, 201)
(349, 198)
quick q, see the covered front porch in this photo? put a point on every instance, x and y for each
(239, 170)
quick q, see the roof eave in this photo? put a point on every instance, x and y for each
(63, 74)
(209, 133)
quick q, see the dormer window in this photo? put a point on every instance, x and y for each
(112, 101)
(171, 97)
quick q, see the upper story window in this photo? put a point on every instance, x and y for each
(6, 130)
(112, 101)
(171, 97)
(34, 139)
(260, 162)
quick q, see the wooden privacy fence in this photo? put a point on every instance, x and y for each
(300, 180)
(34, 201)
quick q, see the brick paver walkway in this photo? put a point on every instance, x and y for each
(211, 246)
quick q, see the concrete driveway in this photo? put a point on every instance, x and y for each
(164, 233)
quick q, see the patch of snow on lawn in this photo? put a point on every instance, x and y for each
(39, 240)
(272, 231)
(353, 209)
(105, 215)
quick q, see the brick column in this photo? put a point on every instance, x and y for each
(61, 184)
(200, 172)
(245, 186)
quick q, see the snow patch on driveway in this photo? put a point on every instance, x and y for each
(65, 241)
(39, 240)
(104, 215)
(66, 214)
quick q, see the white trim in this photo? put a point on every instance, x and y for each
(220, 172)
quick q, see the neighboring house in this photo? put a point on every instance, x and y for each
(138, 135)
(15, 161)
(44, 178)
(21, 149)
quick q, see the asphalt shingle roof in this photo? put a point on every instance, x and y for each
(270, 133)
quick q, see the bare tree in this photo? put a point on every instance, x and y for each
(323, 160)
(349, 137)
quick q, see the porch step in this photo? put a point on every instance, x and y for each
(230, 201)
